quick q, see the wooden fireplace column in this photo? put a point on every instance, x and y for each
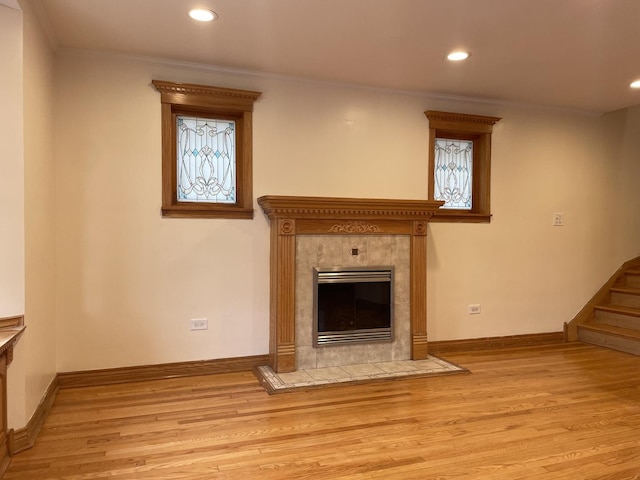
(290, 216)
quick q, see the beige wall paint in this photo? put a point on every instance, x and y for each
(27, 243)
(622, 128)
(12, 238)
(129, 280)
(34, 364)
(528, 275)
(11, 164)
(629, 173)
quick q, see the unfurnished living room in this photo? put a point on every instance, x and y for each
(287, 239)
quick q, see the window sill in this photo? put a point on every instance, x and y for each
(207, 212)
(453, 216)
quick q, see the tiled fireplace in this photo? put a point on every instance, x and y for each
(313, 251)
(317, 232)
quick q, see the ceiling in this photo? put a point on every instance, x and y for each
(578, 54)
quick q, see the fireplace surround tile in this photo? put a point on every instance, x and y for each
(329, 250)
(399, 251)
(335, 251)
(348, 244)
(401, 348)
(403, 286)
(338, 355)
(379, 251)
(306, 357)
(379, 352)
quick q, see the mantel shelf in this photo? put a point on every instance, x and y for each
(275, 206)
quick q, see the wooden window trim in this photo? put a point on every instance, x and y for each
(477, 128)
(214, 102)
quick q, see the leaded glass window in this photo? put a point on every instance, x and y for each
(460, 166)
(453, 172)
(206, 160)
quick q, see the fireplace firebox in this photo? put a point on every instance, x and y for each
(352, 305)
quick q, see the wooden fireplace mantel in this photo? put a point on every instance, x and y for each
(291, 215)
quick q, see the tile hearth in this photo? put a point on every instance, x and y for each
(328, 376)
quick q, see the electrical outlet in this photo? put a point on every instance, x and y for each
(558, 219)
(199, 324)
(474, 309)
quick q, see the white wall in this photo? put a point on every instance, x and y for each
(129, 280)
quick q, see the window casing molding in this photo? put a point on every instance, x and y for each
(477, 128)
(182, 99)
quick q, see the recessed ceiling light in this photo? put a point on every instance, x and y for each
(458, 55)
(635, 84)
(203, 15)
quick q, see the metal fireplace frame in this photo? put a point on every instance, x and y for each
(347, 274)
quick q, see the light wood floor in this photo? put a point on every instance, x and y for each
(568, 411)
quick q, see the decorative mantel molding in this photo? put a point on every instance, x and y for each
(356, 227)
(291, 216)
(275, 206)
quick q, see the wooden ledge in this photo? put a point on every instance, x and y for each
(276, 206)
(447, 216)
(10, 330)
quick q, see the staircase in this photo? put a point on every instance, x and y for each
(612, 318)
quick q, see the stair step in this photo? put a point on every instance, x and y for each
(609, 336)
(632, 278)
(628, 291)
(619, 309)
(612, 330)
(628, 297)
(618, 316)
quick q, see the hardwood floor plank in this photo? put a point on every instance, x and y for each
(568, 411)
